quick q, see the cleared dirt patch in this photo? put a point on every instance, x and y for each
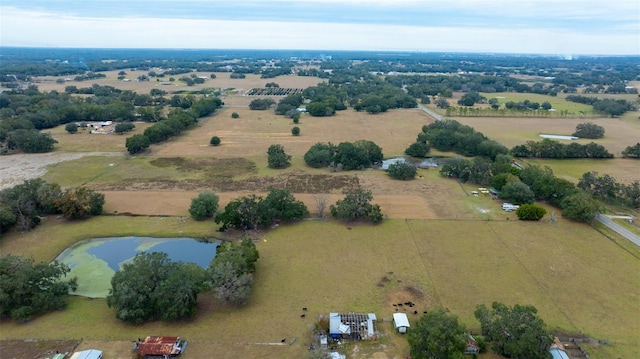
(35, 348)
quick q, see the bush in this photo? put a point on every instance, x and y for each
(295, 131)
(71, 128)
(204, 206)
(402, 171)
(123, 127)
(215, 141)
(235, 115)
(530, 212)
(417, 149)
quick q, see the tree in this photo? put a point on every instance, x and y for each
(579, 206)
(357, 206)
(417, 149)
(280, 204)
(437, 335)
(295, 131)
(204, 206)
(137, 143)
(517, 192)
(515, 332)
(589, 130)
(442, 102)
(123, 127)
(215, 141)
(28, 289)
(277, 158)
(371, 151)
(319, 155)
(402, 171)
(530, 212)
(77, 203)
(232, 271)
(261, 104)
(241, 213)
(71, 128)
(632, 151)
(235, 115)
(153, 287)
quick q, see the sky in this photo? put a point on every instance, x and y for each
(560, 27)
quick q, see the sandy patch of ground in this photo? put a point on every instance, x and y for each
(14, 169)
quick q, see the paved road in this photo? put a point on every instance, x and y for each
(618, 228)
(431, 113)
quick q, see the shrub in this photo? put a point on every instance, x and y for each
(204, 206)
(402, 171)
(235, 115)
(215, 141)
(295, 131)
(71, 128)
(277, 158)
(357, 205)
(123, 127)
(417, 149)
(530, 212)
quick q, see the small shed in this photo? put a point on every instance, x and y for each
(471, 346)
(87, 354)
(401, 322)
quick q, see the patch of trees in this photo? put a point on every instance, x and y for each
(356, 206)
(232, 271)
(281, 70)
(517, 192)
(124, 127)
(402, 171)
(261, 104)
(288, 106)
(589, 130)
(450, 135)
(176, 122)
(606, 106)
(30, 289)
(437, 334)
(471, 98)
(345, 156)
(478, 170)
(514, 332)
(548, 148)
(253, 212)
(153, 287)
(25, 140)
(24, 204)
(417, 149)
(632, 151)
(609, 190)
(237, 75)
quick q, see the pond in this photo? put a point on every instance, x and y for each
(94, 261)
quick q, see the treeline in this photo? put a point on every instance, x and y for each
(24, 204)
(177, 121)
(609, 190)
(632, 151)
(607, 106)
(505, 112)
(548, 148)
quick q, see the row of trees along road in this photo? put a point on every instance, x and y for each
(153, 287)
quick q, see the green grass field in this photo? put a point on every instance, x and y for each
(557, 103)
(579, 280)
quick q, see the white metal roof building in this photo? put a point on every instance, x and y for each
(401, 322)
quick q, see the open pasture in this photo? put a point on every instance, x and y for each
(511, 131)
(579, 280)
(558, 103)
(222, 81)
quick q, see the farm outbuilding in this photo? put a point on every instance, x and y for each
(351, 326)
(160, 346)
(471, 346)
(401, 322)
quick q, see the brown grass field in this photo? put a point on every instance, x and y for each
(438, 246)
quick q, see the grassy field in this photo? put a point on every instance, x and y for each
(577, 278)
(438, 247)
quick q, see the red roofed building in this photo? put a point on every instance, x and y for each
(161, 346)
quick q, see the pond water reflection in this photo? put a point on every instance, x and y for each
(94, 261)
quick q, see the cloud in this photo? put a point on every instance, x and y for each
(466, 30)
